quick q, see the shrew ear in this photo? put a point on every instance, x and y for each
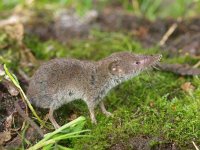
(115, 68)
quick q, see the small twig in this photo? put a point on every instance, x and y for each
(169, 32)
(136, 112)
(197, 65)
(156, 67)
(196, 147)
(11, 20)
(21, 72)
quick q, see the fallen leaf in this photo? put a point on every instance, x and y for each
(8, 122)
(11, 88)
(15, 31)
(15, 142)
(142, 32)
(151, 104)
(187, 87)
(26, 57)
(4, 137)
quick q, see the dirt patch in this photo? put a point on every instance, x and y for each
(143, 143)
(6, 107)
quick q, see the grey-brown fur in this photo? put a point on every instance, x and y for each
(60, 81)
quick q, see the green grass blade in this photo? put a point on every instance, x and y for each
(57, 135)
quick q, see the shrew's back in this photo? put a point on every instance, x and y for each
(58, 81)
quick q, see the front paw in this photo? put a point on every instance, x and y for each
(94, 121)
(108, 114)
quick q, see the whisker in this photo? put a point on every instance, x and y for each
(155, 67)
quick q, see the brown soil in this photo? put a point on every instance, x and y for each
(143, 143)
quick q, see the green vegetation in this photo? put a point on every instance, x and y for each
(67, 131)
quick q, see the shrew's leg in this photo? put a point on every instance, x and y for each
(91, 110)
(103, 109)
(92, 115)
(52, 119)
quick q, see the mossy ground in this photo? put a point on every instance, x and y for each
(151, 104)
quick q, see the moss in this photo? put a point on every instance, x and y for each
(147, 111)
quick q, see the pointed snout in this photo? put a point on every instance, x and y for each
(152, 60)
(158, 57)
(155, 59)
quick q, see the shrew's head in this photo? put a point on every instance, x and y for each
(127, 65)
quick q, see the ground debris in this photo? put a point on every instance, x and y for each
(7, 83)
(69, 25)
(144, 143)
(11, 89)
(187, 87)
(12, 50)
(180, 69)
(4, 137)
(63, 25)
(31, 136)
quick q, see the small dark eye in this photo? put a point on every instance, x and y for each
(137, 62)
